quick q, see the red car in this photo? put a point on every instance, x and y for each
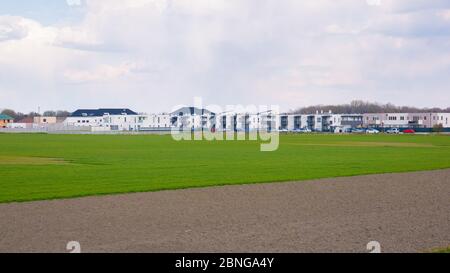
(409, 131)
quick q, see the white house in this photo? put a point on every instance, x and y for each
(107, 119)
(226, 121)
(320, 122)
(440, 118)
(406, 120)
(156, 122)
(192, 118)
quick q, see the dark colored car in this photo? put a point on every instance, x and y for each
(409, 131)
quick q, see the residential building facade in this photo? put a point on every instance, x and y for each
(407, 120)
(44, 120)
(5, 120)
(107, 119)
(195, 119)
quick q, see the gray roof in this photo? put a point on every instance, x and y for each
(102, 111)
(184, 111)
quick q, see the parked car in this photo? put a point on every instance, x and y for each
(358, 131)
(372, 131)
(409, 131)
(303, 130)
(393, 131)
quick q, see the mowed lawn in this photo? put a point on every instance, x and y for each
(40, 166)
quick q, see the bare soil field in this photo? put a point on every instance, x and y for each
(408, 212)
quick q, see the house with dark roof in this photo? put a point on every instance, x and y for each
(114, 119)
(5, 120)
(191, 111)
(102, 112)
(192, 118)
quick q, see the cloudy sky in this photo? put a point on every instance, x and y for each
(150, 55)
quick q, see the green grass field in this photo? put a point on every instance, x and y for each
(40, 166)
(444, 250)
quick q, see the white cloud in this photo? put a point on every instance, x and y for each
(78, 38)
(101, 73)
(444, 14)
(73, 2)
(165, 52)
(13, 28)
(337, 29)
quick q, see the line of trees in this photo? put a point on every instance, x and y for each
(18, 115)
(361, 107)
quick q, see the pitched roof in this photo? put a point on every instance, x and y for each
(191, 111)
(5, 117)
(26, 120)
(102, 111)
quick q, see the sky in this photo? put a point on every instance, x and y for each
(150, 55)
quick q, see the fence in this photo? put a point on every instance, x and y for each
(63, 129)
(48, 129)
(417, 130)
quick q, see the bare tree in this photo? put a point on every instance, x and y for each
(361, 107)
(49, 113)
(62, 113)
(33, 114)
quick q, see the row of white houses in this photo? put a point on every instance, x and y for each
(191, 118)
